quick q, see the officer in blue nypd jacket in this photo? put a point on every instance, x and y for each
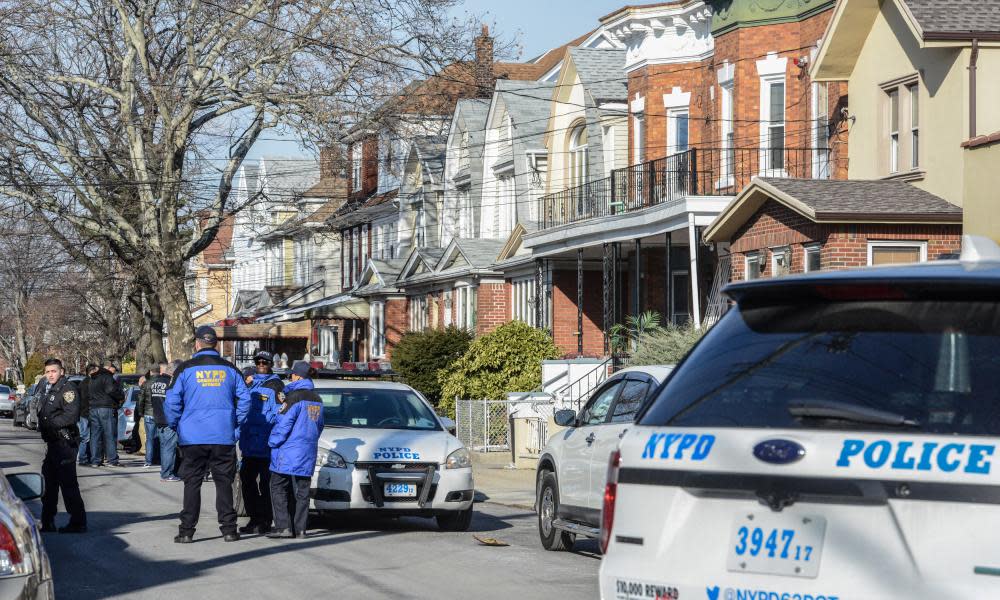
(294, 441)
(255, 459)
(206, 402)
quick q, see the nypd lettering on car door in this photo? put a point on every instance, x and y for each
(817, 453)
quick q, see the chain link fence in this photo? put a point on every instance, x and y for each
(486, 425)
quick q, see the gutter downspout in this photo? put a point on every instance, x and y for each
(972, 87)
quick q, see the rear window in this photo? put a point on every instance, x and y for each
(935, 365)
(4, 389)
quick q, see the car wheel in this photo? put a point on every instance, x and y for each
(457, 521)
(548, 508)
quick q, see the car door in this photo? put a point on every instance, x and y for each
(577, 447)
(634, 393)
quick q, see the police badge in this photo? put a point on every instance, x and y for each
(68, 397)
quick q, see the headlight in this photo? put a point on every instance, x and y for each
(329, 458)
(459, 459)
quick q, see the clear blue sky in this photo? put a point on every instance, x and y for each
(535, 25)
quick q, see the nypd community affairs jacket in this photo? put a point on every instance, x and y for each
(263, 414)
(206, 401)
(295, 438)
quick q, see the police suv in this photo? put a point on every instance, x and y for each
(834, 436)
(384, 450)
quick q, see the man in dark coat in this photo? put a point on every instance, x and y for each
(58, 415)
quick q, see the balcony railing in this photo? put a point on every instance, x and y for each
(669, 180)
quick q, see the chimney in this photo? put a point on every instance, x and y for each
(329, 157)
(483, 69)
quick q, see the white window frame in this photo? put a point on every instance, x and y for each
(376, 316)
(726, 78)
(465, 306)
(356, 170)
(807, 251)
(772, 70)
(913, 91)
(673, 129)
(522, 300)
(897, 244)
(748, 259)
(579, 156)
(639, 138)
(364, 246)
(820, 130)
(420, 221)
(777, 252)
(608, 132)
(893, 127)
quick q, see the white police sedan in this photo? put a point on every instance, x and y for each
(835, 436)
(385, 451)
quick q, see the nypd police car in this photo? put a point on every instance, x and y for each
(384, 450)
(834, 436)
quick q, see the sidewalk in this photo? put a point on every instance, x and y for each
(501, 485)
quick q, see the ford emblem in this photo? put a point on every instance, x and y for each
(779, 452)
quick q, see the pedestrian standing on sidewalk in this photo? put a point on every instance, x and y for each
(255, 471)
(164, 432)
(105, 397)
(145, 410)
(83, 456)
(206, 402)
(294, 442)
(57, 421)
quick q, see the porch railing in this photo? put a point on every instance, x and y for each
(669, 180)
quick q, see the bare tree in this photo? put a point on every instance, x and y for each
(112, 111)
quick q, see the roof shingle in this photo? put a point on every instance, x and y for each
(602, 72)
(831, 199)
(956, 17)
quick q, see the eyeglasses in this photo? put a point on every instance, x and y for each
(261, 361)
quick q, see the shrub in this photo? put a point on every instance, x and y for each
(419, 356)
(508, 359)
(665, 346)
(33, 368)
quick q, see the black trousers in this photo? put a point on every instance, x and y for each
(255, 477)
(290, 498)
(59, 471)
(196, 461)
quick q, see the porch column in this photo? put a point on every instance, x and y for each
(607, 283)
(540, 295)
(668, 296)
(693, 272)
(579, 301)
(637, 302)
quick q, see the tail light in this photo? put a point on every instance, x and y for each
(11, 561)
(610, 494)
(128, 412)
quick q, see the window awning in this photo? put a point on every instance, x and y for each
(264, 331)
(340, 306)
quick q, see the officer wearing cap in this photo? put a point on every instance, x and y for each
(206, 402)
(255, 472)
(57, 422)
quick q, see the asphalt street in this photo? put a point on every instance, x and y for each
(129, 550)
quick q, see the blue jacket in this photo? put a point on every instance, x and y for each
(207, 400)
(263, 414)
(295, 438)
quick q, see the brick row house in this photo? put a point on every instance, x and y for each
(641, 167)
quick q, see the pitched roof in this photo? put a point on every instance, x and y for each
(836, 201)
(955, 18)
(286, 179)
(432, 149)
(479, 252)
(602, 72)
(528, 105)
(553, 57)
(325, 211)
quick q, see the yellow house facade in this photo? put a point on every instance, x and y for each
(923, 86)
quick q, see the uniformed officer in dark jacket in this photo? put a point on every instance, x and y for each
(57, 422)
(255, 472)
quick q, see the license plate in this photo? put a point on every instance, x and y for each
(776, 544)
(396, 490)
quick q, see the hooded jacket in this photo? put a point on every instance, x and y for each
(207, 400)
(104, 391)
(263, 414)
(295, 437)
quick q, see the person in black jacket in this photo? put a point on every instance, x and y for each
(57, 422)
(83, 456)
(105, 397)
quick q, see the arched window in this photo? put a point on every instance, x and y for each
(578, 156)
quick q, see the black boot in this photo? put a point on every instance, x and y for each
(183, 539)
(73, 528)
(280, 534)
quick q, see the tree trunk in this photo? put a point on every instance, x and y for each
(154, 320)
(177, 314)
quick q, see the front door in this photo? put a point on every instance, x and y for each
(574, 474)
(621, 417)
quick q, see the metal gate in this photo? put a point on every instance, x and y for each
(485, 425)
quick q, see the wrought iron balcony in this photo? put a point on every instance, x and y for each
(669, 180)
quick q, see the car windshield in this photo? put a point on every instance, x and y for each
(914, 366)
(375, 408)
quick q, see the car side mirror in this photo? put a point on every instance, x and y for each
(448, 424)
(26, 486)
(565, 417)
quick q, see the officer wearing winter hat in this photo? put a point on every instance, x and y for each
(206, 403)
(255, 474)
(294, 442)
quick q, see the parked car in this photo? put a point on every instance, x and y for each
(7, 398)
(25, 572)
(571, 467)
(22, 406)
(128, 433)
(385, 451)
(835, 435)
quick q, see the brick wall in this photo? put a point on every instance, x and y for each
(397, 321)
(493, 307)
(564, 313)
(843, 246)
(652, 82)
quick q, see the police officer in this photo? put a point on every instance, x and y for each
(206, 402)
(294, 442)
(255, 473)
(57, 421)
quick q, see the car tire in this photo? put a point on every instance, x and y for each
(456, 521)
(548, 508)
